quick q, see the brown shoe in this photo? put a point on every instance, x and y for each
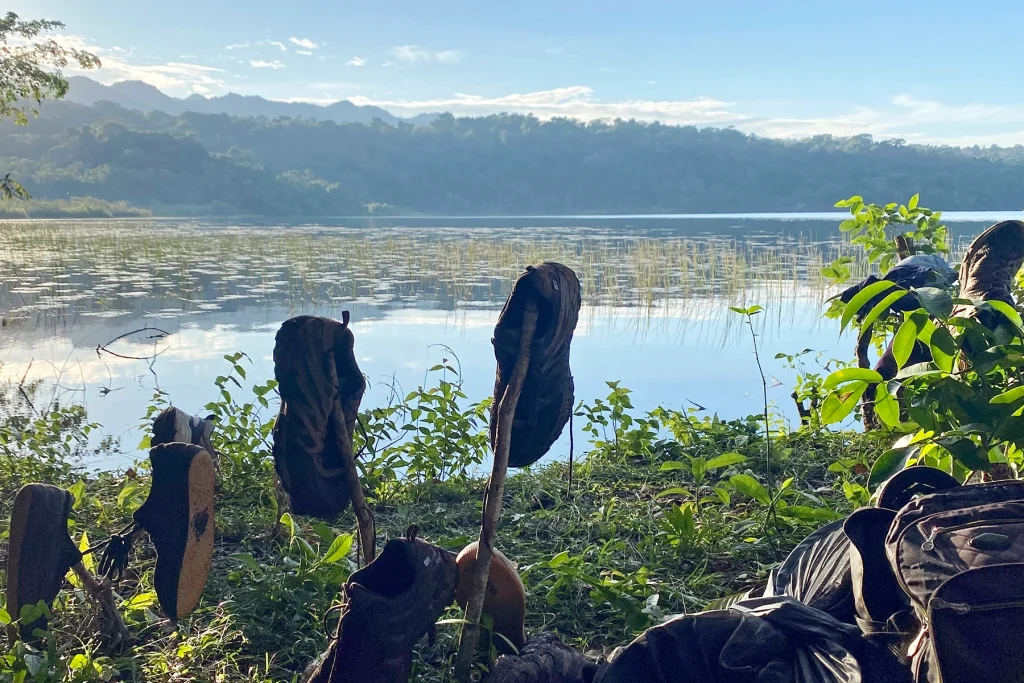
(40, 551)
(989, 269)
(321, 387)
(545, 403)
(388, 606)
(178, 514)
(174, 424)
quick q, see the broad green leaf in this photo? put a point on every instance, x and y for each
(1007, 310)
(288, 521)
(837, 406)
(888, 464)
(142, 600)
(79, 661)
(725, 460)
(965, 451)
(673, 465)
(1011, 396)
(912, 204)
(698, 467)
(559, 559)
(943, 349)
(750, 487)
(850, 375)
(918, 370)
(323, 532)
(78, 491)
(5, 618)
(861, 298)
(339, 549)
(936, 301)
(674, 491)
(881, 307)
(807, 513)
(87, 560)
(887, 408)
(906, 337)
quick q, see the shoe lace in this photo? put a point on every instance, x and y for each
(116, 549)
(339, 607)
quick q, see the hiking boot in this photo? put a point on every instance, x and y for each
(387, 607)
(545, 403)
(174, 424)
(990, 267)
(545, 659)
(505, 599)
(40, 551)
(321, 387)
(178, 514)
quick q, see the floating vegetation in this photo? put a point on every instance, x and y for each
(168, 269)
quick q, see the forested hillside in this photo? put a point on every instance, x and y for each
(504, 164)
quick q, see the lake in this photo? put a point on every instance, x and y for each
(656, 298)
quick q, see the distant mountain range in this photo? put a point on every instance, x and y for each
(144, 97)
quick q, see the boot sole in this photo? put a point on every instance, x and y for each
(198, 556)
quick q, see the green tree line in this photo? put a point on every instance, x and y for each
(501, 164)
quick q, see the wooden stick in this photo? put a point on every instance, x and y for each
(493, 499)
(110, 619)
(364, 516)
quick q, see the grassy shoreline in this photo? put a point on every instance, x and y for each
(666, 513)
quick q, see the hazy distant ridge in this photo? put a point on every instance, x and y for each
(146, 98)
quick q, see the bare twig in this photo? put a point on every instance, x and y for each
(364, 516)
(24, 394)
(493, 499)
(767, 433)
(868, 399)
(110, 619)
(103, 348)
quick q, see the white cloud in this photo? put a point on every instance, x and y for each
(174, 78)
(260, 64)
(275, 43)
(414, 53)
(303, 42)
(575, 102)
(904, 116)
(303, 52)
(449, 56)
(238, 46)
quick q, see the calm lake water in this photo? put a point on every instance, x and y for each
(657, 292)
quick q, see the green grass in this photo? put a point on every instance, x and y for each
(600, 563)
(73, 207)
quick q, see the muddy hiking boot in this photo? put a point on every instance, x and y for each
(321, 387)
(546, 401)
(504, 601)
(989, 269)
(40, 551)
(388, 606)
(174, 424)
(178, 515)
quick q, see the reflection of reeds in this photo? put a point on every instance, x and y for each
(62, 266)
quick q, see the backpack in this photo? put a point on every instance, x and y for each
(959, 556)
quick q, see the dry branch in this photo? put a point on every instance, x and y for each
(493, 499)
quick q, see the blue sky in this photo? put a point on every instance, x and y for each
(935, 71)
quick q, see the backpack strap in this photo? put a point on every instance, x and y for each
(905, 485)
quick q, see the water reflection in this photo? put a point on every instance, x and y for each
(656, 314)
